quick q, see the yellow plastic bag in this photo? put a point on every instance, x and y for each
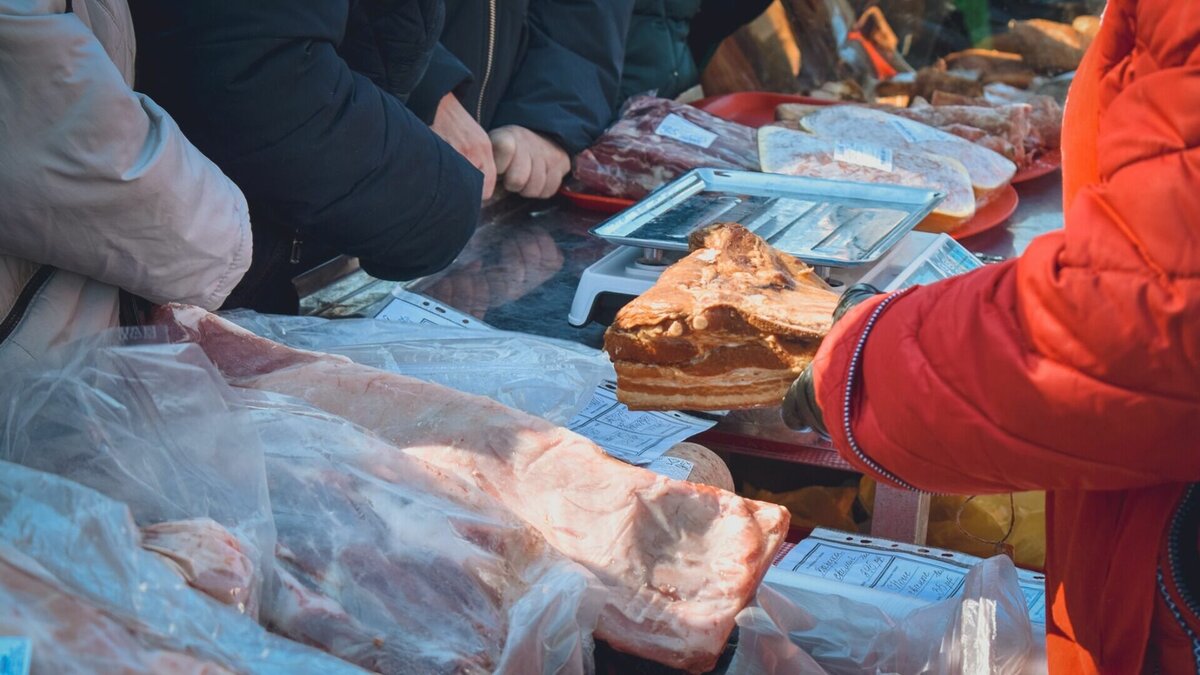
(813, 507)
(984, 521)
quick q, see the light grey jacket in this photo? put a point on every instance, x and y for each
(99, 189)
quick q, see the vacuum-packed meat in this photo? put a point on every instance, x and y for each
(656, 140)
(676, 561)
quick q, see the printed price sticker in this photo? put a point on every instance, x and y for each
(863, 154)
(682, 130)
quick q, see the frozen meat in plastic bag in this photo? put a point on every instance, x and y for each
(552, 379)
(75, 580)
(69, 635)
(399, 567)
(984, 630)
(152, 426)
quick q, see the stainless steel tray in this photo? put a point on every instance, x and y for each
(821, 222)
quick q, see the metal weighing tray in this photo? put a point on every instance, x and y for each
(822, 222)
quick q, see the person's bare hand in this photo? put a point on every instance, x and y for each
(456, 126)
(531, 164)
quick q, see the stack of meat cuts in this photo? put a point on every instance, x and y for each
(675, 561)
(657, 140)
(730, 326)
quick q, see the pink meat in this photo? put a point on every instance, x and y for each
(677, 560)
(631, 159)
(71, 635)
(209, 559)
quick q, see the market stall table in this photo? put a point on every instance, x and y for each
(520, 271)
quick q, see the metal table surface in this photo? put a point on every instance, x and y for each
(519, 273)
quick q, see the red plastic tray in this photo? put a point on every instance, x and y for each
(994, 214)
(752, 108)
(597, 203)
(1044, 165)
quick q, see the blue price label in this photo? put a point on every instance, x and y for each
(14, 655)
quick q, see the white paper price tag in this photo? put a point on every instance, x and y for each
(682, 130)
(672, 467)
(633, 436)
(864, 154)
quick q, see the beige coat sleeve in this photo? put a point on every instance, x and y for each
(97, 179)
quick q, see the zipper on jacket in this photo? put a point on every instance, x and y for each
(31, 289)
(491, 56)
(297, 243)
(1178, 536)
(855, 359)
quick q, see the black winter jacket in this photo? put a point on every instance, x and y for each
(300, 103)
(551, 66)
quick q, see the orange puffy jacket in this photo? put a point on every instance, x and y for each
(1074, 369)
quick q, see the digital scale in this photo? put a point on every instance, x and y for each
(849, 232)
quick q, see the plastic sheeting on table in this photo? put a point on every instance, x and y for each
(552, 379)
(103, 604)
(382, 559)
(789, 630)
(154, 427)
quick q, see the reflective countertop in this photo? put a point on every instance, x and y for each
(520, 270)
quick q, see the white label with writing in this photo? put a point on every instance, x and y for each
(409, 307)
(672, 467)
(921, 573)
(635, 437)
(864, 154)
(680, 129)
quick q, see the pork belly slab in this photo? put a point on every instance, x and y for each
(730, 326)
(675, 561)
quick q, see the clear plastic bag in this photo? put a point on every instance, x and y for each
(380, 558)
(152, 426)
(401, 568)
(552, 379)
(984, 630)
(76, 582)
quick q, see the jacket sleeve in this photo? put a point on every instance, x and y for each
(1075, 366)
(312, 143)
(445, 74)
(98, 180)
(567, 85)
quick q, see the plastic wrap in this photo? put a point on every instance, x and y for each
(548, 378)
(75, 580)
(984, 630)
(401, 568)
(656, 140)
(151, 426)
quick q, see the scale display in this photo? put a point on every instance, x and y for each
(821, 222)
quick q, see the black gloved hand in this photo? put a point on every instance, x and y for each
(852, 297)
(800, 409)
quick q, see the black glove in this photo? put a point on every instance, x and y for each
(853, 295)
(800, 409)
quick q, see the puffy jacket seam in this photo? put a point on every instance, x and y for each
(852, 369)
(1133, 239)
(1158, 155)
(1172, 276)
(223, 286)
